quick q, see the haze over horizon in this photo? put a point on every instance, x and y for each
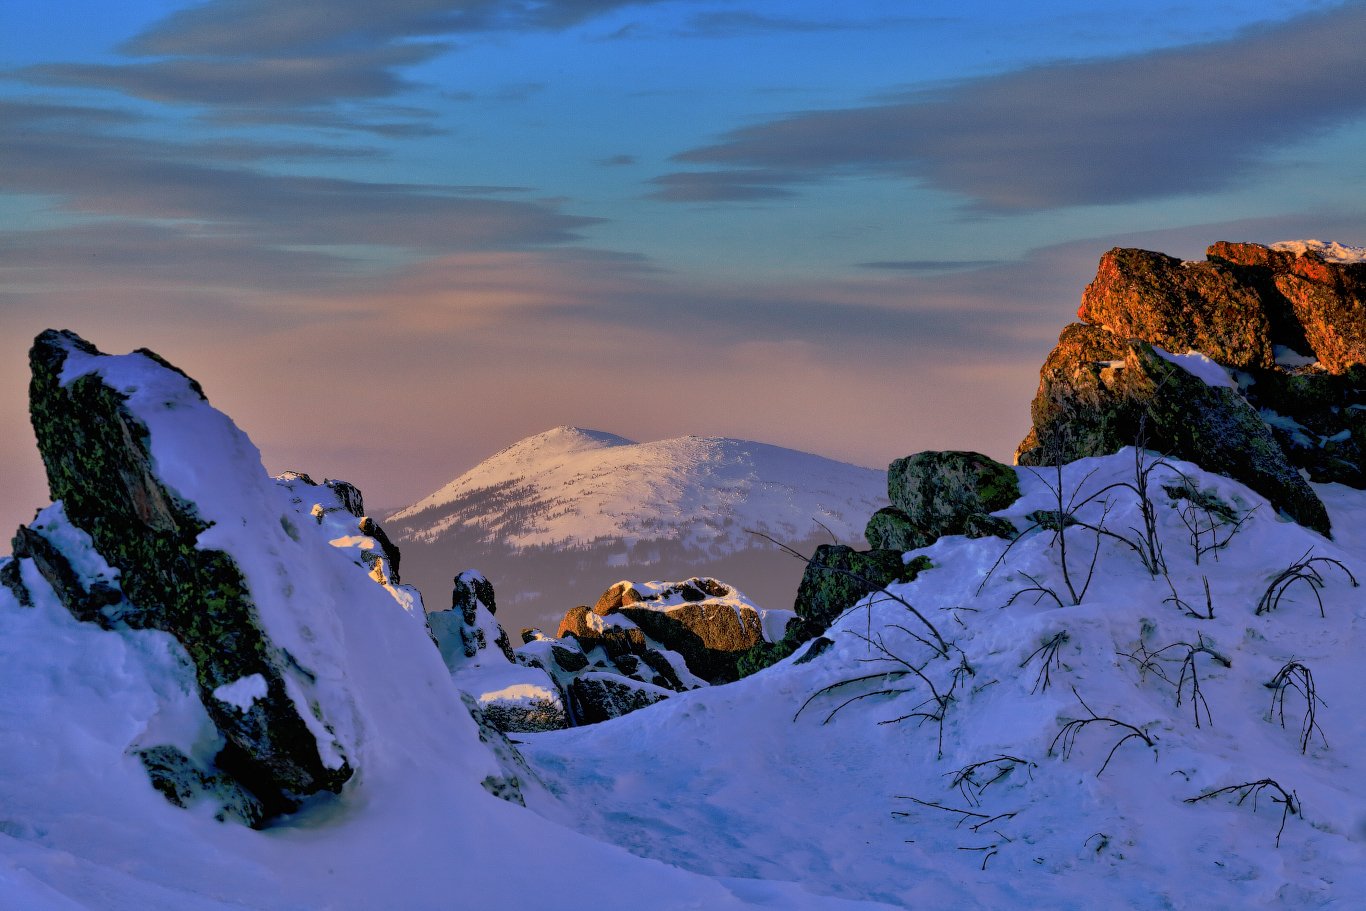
(392, 240)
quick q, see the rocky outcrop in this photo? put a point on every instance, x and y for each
(1210, 307)
(513, 695)
(1282, 400)
(340, 507)
(710, 624)
(97, 453)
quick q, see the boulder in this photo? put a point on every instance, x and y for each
(1210, 307)
(951, 493)
(514, 696)
(1326, 300)
(837, 577)
(597, 697)
(278, 744)
(709, 623)
(891, 529)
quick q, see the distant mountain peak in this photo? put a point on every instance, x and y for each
(574, 485)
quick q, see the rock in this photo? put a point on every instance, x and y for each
(515, 695)
(937, 490)
(1080, 408)
(98, 459)
(1091, 402)
(348, 495)
(184, 783)
(891, 529)
(338, 505)
(937, 493)
(468, 627)
(1210, 307)
(1326, 301)
(615, 634)
(598, 697)
(837, 577)
(710, 624)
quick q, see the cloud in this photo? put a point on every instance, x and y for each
(732, 23)
(94, 173)
(269, 54)
(929, 265)
(1185, 120)
(724, 186)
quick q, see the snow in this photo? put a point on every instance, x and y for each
(241, 693)
(1331, 251)
(583, 485)
(1201, 367)
(724, 781)
(1289, 357)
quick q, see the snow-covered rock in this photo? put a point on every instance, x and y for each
(514, 697)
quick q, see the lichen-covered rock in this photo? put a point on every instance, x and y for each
(891, 529)
(837, 577)
(1087, 407)
(97, 453)
(951, 493)
(598, 697)
(1208, 307)
(1326, 301)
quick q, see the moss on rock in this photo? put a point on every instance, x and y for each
(98, 461)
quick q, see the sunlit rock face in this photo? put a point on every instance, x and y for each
(642, 641)
(1278, 398)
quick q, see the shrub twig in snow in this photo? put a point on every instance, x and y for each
(1048, 656)
(1297, 677)
(933, 709)
(1289, 802)
(1302, 570)
(968, 783)
(1189, 676)
(1068, 735)
(1177, 600)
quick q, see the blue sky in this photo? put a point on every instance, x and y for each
(392, 238)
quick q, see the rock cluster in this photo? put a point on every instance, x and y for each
(1284, 399)
(513, 695)
(643, 641)
(932, 494)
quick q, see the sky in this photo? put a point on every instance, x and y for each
(393, 238)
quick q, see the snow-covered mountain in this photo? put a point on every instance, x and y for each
(557, 517)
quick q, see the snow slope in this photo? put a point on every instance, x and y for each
(570, 485)
(726, 781)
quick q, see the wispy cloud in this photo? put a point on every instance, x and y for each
(1191, 119)
(94, 173)
(268, 55)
